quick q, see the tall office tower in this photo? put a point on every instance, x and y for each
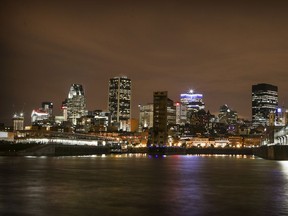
(48, 107)
(171, 112)
(64, 109)
(76, 106)
(119, 102)
(145, 116)
(18, 121)
(226, 115)
(181, 113)
(160, 102)
(193, 101)
(264, 103)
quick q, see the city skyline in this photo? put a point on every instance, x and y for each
(219, 49)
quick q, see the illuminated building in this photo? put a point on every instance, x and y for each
(99, 120)
(171, 112)
(119, 102)
(76, 105)
(59, 120)
(39, 115)
(64, 109)
(181, 113)
(193, 101)
(18, 121)
(226, 115)
(6, 136)
(160, 102)
(48, 107)
(42, 114)
(281, 117)
(264, 103)
(145, 116)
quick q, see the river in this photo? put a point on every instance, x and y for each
(139, 184)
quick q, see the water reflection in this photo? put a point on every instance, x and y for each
(140, 184)
(284, 191)
(284, 167)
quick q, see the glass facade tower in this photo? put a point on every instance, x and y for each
(76, 105)
(119, 102)
(264, 103)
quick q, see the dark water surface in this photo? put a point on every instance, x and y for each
(143, 185)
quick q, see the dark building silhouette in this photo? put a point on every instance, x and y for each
(160, 102)
(227, 115)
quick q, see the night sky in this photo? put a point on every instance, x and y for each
(218, 48)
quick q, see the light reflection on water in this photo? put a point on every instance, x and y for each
(140, 184)
(284, 190)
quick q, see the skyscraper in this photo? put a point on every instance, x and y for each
(181, 113)
(64, 109)
(227, 115)
(119, 102)
(48, 107)
(192, 100)
(145, 116)
(160, 102)
(264, 103)
(18, 121)
(76, 105)
(171, 112)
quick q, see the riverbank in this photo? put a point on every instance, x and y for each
(71, 150)
(273, 152)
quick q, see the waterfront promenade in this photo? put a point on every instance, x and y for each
(275, 152)
(64, 150)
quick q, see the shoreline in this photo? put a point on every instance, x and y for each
(276, 152)
(74, 150)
